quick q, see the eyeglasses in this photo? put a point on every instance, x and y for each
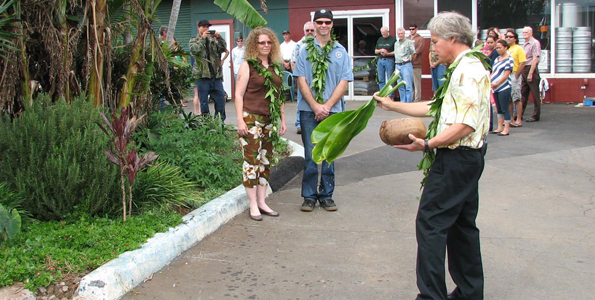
(509, 36)
(262, 43)
(324, 22)
(309, 30)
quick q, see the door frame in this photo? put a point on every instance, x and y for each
(383, 13)
(227, 64)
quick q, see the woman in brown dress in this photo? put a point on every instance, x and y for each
(260, 114)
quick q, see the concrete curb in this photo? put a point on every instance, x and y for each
(117, 277)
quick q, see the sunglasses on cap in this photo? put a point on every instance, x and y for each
(324, 22)
(262, 43)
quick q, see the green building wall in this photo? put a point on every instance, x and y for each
(193, 11)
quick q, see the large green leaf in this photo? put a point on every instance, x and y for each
(243, 11)
(333, 135)
(327, 125)
(341, 139)
(10, 222)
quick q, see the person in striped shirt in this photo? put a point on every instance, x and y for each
(501, 86)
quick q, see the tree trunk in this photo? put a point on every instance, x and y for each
(66, 55)
(123, 186)
(173, 20)
(134, 68)
(97, 38)
(26, 88)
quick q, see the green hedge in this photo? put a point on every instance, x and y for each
(54, 155)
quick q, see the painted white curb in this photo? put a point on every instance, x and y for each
(120, 275)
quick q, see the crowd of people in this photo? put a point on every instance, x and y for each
(449, 202)
(403, 54)
(514, 77)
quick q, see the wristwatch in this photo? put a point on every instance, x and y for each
(427, 146)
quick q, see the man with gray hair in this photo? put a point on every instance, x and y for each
(531, 78)
(404, 51)
(450, 200)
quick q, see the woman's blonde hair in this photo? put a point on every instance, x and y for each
(251, 45)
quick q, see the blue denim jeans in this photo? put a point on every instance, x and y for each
(386, 67)
(406, 91)
(437, 76)
(503, 98)
(310, 188)
(213, 87)
(297, 117)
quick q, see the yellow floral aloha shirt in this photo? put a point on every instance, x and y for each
(467, 101)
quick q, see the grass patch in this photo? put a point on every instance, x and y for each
(47, 251)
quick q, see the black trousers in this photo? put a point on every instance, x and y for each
(446, 221)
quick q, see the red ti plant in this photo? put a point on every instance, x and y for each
(122, 154)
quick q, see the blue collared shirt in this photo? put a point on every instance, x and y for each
(339, 68)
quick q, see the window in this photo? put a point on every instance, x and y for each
(574, 36)
(419, 12)
(516, 14)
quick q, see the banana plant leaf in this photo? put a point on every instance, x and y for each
(325, 127)
(333, 135)
(243, 11)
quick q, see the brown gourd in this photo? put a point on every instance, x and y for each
(396, 131)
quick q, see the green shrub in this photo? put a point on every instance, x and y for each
(203, 148)
(164, 185)
(54, 155)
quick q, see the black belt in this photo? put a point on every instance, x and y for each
(481, 150)
(400, 64)
(465, 148)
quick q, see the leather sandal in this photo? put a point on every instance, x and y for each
(269, 213)
(255, 218)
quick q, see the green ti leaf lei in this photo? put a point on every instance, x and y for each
(274, 94)
(436, 109)
(319, 66)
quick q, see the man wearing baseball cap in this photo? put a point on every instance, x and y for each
(287, 50)
(206, 48)
(337, 76)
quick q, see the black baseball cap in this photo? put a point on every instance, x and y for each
(323, 13)
(286, 32)
(204, 23)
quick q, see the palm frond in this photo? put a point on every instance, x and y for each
(6, 25)
(243, 11)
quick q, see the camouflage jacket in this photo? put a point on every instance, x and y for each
(198, 49)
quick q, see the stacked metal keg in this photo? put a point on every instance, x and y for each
(564, 49)
(581, 50)
(573, 41)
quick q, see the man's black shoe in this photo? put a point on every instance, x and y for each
(308, 205)
(452, 296)
(328, 204)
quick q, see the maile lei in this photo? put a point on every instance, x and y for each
(319, 66)
(274, 94)
(436, 109)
